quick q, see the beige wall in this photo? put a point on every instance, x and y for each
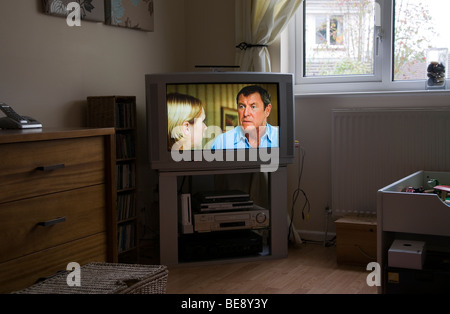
(210, 33)
(48, 69)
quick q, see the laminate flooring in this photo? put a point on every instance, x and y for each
(310, 268)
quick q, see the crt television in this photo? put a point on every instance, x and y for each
(217, 92)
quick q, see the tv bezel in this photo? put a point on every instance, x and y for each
(159, 155)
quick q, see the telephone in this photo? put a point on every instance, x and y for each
(15, 121)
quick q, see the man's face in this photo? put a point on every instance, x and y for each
(251, 111)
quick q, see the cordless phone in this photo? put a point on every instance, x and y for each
(16, 121)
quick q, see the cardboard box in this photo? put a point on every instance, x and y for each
(356, 240)
(406, 254)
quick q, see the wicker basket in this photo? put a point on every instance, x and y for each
(107, 278)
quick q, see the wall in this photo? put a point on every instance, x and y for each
(210, 33)
(49, 68)
(313, 130)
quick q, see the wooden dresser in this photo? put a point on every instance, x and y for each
(56, 202)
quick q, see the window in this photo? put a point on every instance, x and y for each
(366, 45)
(418, 26)
(343, 38)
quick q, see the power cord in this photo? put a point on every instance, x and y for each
(332, 242)
(298, 191)
(180, 190)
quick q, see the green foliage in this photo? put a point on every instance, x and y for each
(412, 27)
(352, 66)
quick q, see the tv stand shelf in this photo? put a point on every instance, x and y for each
(168, 213)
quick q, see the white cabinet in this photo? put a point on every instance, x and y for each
(412, 216)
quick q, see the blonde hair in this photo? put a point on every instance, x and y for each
(181, 108)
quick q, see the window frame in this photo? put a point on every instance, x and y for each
(381, 81)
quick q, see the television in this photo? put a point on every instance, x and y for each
(221, 112)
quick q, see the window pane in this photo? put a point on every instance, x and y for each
(419, 25)
(339, 37)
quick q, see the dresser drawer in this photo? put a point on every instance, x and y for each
(25, 271)
(42, 167)
(21, 222)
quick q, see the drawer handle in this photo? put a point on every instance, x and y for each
(51, 167)
(52, 222)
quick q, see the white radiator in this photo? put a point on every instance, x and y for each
(372, 148)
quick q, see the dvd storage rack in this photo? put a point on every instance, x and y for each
(120, 112)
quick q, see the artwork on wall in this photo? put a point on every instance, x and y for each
(135, 14)
(90, 10)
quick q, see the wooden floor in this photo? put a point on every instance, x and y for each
(309, 269)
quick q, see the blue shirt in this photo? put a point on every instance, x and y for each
(236, 139)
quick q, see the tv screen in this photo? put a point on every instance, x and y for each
(198, 113)
(219, 120)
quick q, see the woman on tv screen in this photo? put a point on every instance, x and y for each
(185, 121)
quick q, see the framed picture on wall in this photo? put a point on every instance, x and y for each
(135, 14)
(90, 10)
(230, 118)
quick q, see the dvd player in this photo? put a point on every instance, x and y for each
(222, 201)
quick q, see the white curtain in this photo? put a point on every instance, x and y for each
(258, 24)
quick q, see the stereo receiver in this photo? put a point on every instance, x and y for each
(218, 221)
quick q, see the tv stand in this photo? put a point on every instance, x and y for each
(168, 212)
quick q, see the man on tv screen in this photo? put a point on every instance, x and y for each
(254, 106)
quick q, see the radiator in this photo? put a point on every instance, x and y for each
(372, 148)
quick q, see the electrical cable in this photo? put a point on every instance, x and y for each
(297, 192)
(180, 190)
